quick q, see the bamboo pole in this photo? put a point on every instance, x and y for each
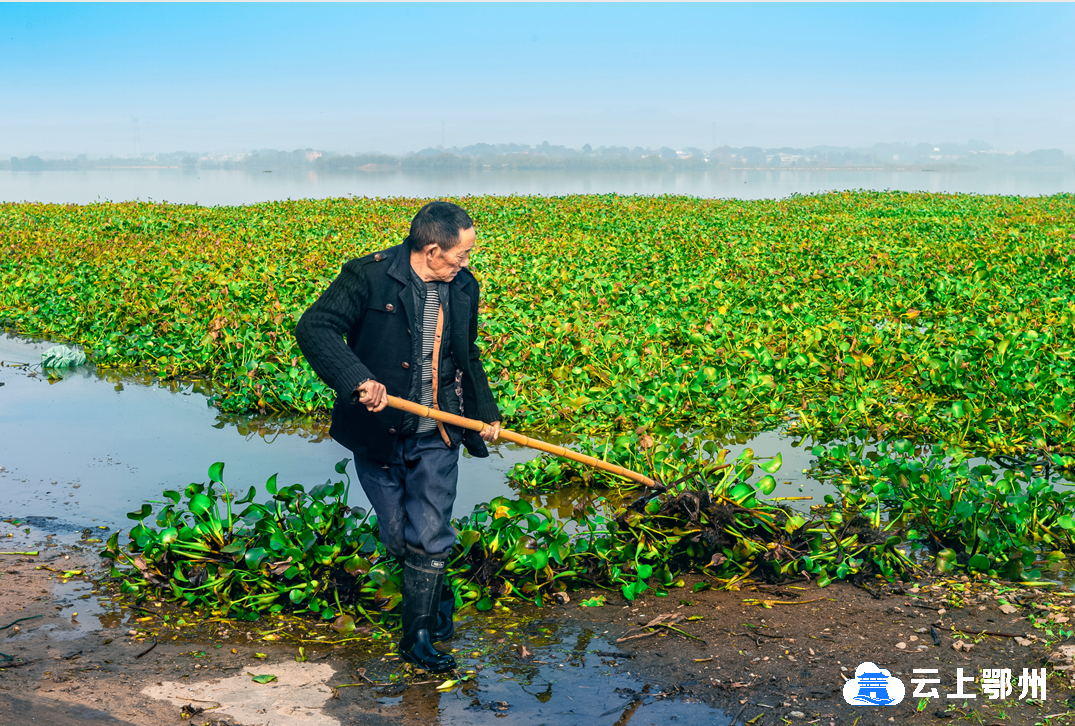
(469, 423)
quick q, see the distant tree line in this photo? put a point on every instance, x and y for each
(546, 156)
(265, 159)
(448, 161)
(82, 162)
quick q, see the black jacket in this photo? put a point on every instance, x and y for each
(371, 304)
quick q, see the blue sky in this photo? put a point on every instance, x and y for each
(390, 77)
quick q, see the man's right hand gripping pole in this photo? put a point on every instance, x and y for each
(373, 394)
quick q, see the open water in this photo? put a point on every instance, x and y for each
(210, 188)
(91, 446)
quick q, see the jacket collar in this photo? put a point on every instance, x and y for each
(400, 269)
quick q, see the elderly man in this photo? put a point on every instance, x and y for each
(410, 318)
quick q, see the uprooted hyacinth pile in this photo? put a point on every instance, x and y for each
(928, 316)
(309, 552)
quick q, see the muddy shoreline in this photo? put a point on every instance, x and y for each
(763, 654)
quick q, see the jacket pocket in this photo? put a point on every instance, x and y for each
(450, 401)
(386, 302)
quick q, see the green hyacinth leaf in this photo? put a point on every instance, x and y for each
(216, 472)
(772, 466)
(767, 484)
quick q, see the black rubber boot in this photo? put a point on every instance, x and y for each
(445, 627)
(423, 578)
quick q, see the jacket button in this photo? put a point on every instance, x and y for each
(389, 307)
(378, 257)
(406, 364)
(392, 431)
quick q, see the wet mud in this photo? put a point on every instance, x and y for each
(76, 653)
(760, 655)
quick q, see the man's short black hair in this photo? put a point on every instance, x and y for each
(438, 223)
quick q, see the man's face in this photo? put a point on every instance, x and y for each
(446, 265)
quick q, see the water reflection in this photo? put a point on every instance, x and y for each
(565, 676)
(530, 666)
(312, 428)
(230, 187)
(89, 446)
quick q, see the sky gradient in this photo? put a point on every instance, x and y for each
(394, 77)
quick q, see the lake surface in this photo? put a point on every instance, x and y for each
(91, 446)
(87, 449)
(211, 188)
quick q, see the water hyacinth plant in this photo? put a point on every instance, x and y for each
(927, 316)
(1004, 522)
(309, 552)
(913, 317)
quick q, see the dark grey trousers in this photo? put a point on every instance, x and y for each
(413, 495)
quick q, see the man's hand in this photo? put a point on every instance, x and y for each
(373, 394)
(491, 432)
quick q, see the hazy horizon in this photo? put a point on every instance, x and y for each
(226, 79)
(150, 154)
